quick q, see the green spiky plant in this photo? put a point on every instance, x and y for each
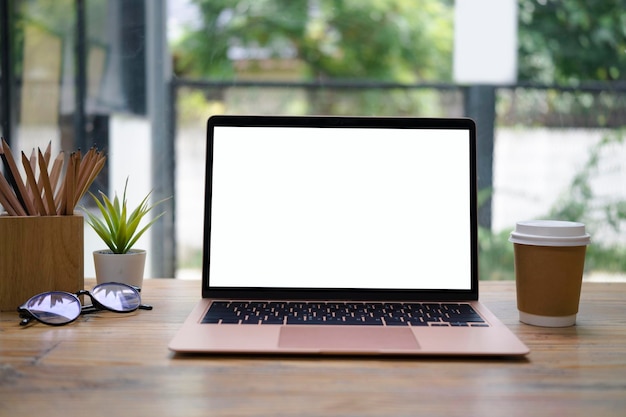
(120, 230)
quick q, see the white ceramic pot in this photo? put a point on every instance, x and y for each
(126, 268)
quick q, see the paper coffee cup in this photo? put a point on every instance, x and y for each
(549, 263)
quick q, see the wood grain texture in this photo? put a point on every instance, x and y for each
(39, 254)
(114, 364)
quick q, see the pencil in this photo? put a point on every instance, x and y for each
(94, 174)
(83, 174)
(65, 186)
(33, 165)
(9, 175)
(15, 179)
(30, 178)
(8, 199)
(57, 167)
(93, 164)
(7, 206)
(70, 185)
(45, 180)
(58, 199)
(47, 153)
(46, 192)
(46, 156)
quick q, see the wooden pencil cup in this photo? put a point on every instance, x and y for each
(39, 254)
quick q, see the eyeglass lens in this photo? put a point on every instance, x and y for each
(54, 307)
(116, 297)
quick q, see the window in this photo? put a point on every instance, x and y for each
(139, 78)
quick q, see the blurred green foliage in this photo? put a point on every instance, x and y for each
(399, 40)
(567, 41)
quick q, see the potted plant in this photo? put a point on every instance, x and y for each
(120, 230)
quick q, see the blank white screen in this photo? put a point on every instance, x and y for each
(340, 208)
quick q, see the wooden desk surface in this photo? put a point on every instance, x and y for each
(117, 365)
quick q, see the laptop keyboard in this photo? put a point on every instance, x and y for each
(342, 313)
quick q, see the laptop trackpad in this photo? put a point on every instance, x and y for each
(352, 338)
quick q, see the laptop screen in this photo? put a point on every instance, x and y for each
(340, 203)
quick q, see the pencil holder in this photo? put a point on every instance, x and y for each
(39, 254)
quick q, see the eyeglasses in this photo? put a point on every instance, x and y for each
(57, 308)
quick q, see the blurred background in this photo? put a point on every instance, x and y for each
(544, 79)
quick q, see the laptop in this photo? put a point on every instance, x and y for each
(341, 235)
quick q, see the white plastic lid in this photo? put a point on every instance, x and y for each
(550, 233)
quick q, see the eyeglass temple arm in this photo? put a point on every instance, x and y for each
(93, 308)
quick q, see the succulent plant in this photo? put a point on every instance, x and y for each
(120, 228)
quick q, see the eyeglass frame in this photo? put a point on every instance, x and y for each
(27, 316)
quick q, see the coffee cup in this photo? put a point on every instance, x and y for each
(549, 263)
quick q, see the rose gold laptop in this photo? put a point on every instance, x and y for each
(341, 235)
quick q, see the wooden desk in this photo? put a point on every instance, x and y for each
(118, 365)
